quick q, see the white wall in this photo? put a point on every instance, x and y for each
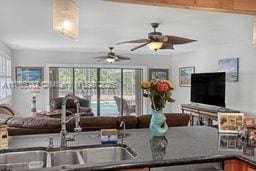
(6, 52)
(21, 98)
(239, 95)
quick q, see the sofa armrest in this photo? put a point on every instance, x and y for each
(4, 118)
(8, 110)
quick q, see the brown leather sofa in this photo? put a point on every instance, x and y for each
(18, 125)
(84, 109)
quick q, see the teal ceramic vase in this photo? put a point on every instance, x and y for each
(158, 126)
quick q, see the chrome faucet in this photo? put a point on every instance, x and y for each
(64, 137)
(122, 124)
(50, 145)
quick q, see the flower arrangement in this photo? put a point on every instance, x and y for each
(159, 91)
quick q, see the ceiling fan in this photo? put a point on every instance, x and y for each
(111, 57)
(156, 40)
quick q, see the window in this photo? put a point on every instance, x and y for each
(103, 87)
(5, 78)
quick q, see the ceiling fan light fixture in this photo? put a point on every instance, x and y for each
(155, 45)
(66, 18)
(111, 60)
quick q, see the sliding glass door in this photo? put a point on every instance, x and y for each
(110, 91)
(86, 85)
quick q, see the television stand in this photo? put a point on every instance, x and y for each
(205, 114)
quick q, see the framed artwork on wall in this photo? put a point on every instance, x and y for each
(162, 74)
(185, 76)
(231, 67)
(29, 74)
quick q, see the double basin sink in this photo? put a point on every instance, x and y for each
(43, 158)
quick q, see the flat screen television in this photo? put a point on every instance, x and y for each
(208, 88)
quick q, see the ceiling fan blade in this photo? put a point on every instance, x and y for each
(167, 46)
(140, 46)
(101, 57)
(134, 41)
(122, 57)
(178, 40)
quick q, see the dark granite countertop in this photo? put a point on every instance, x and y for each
(185, 145)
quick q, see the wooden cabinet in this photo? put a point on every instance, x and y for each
(208, 114)
(237, 165)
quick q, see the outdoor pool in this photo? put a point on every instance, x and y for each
(106, 108)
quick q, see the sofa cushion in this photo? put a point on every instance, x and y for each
(27, 131)
(97, 123)
(84, 114)
(130, 121)
(85, 109)
(177, 119)
(57, 113)
(70, 104)
(56, 103)
(34, 123)
(172, 120)
(4, 118)
(143, 121)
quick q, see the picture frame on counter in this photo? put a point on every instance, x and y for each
(230, 122)
(229, 142)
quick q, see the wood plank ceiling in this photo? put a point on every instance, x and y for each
(232, 6)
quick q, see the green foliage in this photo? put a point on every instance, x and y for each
(159, 91)
(86, 78)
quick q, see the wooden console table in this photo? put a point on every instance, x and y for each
(203, 112)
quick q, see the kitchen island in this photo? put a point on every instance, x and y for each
(180, 146)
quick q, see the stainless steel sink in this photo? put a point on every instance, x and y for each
(23, 160)
(63, 158)
(60, 158)
(106, 154)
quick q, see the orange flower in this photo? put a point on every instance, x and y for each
(170, 84)
(145, 85)
(163, 87)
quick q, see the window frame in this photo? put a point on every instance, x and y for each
(5, 78)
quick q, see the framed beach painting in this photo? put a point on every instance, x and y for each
(231, 67)
(162, 74)
(229, 122)
(185, 76)
(29, 74)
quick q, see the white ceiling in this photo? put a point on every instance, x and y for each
(27, 24)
